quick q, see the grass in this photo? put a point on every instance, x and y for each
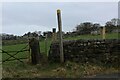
(54, 70)
(108, 36)
(17, 47)
(42, 45)
(13, 42)
(17, 69)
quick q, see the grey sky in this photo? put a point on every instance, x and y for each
(19, 18)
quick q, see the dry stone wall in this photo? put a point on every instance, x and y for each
(94, 51)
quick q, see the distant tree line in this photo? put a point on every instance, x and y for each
(9, 37)
(89, 28)
(83, 28)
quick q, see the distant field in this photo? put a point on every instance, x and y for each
(14, 42)
(108, 36)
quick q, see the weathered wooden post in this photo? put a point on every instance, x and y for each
(103, 33)
(54, 35)
(60, 35)
(35, 51)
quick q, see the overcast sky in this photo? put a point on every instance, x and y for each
(19, 18)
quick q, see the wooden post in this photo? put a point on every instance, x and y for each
(46, 44)
(103, 33)
(35, 51)
(60, 35)
(54, 35)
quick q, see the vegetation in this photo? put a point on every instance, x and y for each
(88, 36)
(18, 47)
(54, 70)
(86, 30)
(14, 42)
(45, 69)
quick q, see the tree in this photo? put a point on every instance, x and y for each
(118, 22)
(29, 34)
(109, 26)
(114, 21)
(39, 33)
(95, 27)
(84, 28)
(49, 34)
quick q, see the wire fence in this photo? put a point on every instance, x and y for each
(24, 49)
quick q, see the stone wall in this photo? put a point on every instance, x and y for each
(94, 51)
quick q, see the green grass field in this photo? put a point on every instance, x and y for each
(108, 36)
(48, 70)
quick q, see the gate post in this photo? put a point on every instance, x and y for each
(60, 35)
(103, 33)
(35, 51)
(54, 35)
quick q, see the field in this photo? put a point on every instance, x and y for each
(45, 69)
(108, 36)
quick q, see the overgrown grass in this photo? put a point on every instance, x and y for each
(49, 70)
